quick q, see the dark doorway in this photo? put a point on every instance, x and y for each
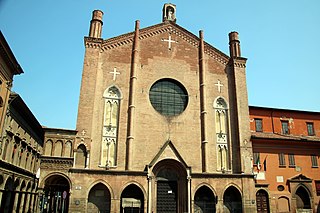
(167, 196)
(99, 199)
(204, 201)
(303, 198)
(262, 200)
(8, 197)
(232, 200)
(56, 195)
(132, 200)
(171, 187)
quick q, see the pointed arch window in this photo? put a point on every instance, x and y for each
(221, 124)
(110, 127)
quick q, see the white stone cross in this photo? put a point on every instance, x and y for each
(219, 85)
(169, 41)
(115, 73)
(83, 132)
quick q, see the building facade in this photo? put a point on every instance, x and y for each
(22, 144)
(286, 146)
(163, 126)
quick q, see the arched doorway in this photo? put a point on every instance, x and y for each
(302, 198)
(204, 201)
(232, 200)
(262, 200)
(99, 199)
(7, 197)
(171, 187)
(56, 195)
(132, 200)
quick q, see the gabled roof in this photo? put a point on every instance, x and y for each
(168, 145)
(154, 30)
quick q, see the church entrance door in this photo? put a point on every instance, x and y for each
(170, 187)
(167, 196)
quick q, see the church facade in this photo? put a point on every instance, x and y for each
(163, 126)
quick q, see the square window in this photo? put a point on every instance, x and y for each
(258, 123)
(285, 127)
(310, 128)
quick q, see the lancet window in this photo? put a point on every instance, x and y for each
(221, 124)
(110, 127)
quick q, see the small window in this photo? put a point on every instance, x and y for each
(291, 160)
(314, 161)
(258, 123)
(256, 158)
(282, 160)
(285, 127)
(310, 128)
(280, 188)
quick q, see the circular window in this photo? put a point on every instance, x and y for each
(280, 188)
(168, 97)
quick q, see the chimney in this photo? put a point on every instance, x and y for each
(234, 45)
(96, 24)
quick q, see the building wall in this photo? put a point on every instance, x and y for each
(271, 142)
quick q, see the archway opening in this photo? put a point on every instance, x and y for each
(132, 200)
(99, 199)
(303, 198)
(262, 200)
(7, 200)
(56, 195)
(232, 200)
(171, 187)
(204, 201)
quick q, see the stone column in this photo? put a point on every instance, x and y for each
(27, 204)
(149, 194)
(15, 204)
(88, 160)
(189, 191)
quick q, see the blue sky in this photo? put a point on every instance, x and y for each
(279, 38)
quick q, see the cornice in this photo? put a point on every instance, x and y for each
(90, 42)
(155, 30)
(239, 62)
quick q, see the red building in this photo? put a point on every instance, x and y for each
(286, 149)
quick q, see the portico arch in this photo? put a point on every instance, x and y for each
(56, 194)
(170, 186)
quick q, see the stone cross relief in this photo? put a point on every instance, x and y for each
(219, 85)
(83, 132)
(169, 41)
(115, 73)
